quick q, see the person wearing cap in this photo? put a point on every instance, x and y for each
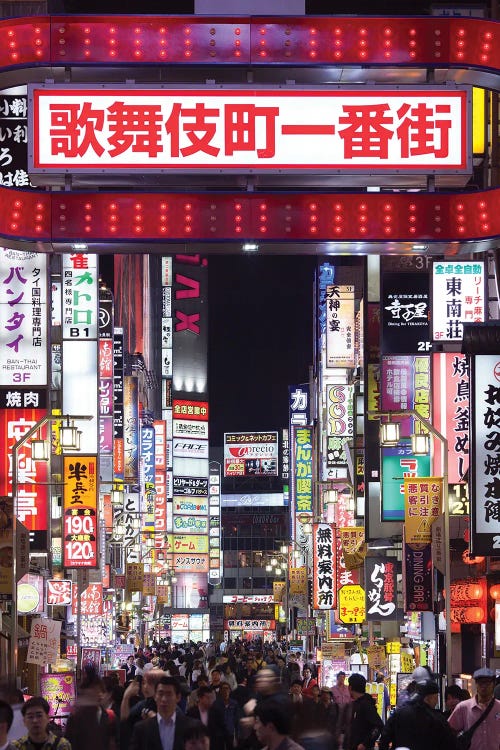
(487, 735)
(417, 725)
(365, 725)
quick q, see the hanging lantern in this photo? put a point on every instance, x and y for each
(468, 560)
(468, 615)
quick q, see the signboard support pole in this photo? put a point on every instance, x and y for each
(79, 592)
(446, 512)
(47, 419)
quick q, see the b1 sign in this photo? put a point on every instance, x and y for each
(160, 129)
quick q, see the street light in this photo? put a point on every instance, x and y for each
(446, 512)
(40, 451)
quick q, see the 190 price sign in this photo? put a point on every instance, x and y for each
(80, 538)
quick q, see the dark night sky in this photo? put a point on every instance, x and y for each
(261, 338)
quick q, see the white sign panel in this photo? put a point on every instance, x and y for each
(340, 349)
(190, 447)
(80, 296)
(458, 297)
(165, 129)
(23, 318)
(485, 497)
(190, 428)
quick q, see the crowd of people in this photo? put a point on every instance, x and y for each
(250, 696)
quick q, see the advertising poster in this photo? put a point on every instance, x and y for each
(58, 689)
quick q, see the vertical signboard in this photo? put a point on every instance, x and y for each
(451, 411)
(423, 504)
(417, 578)
(80, 332)
(131, 428)
(80, 522)
(118, 418)
(23, 318)
(406, 384)
(458, 297)
(399, 464)
(214, 490)
(405, 313)
(485, 485)
(324, 563)
(303, 471)
(340, 349)
(32, 476)
(381, 588)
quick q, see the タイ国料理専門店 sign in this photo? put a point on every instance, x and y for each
(160, 128)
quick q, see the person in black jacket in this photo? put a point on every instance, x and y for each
(417, 725)
(366, 725)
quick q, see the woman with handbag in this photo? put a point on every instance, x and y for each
(477, 721)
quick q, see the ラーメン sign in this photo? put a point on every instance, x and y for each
(165, 129)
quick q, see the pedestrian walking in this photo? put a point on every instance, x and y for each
(365, 725)
(166, 730)
(36, 719)
(480, 715)
(272, 726)
(417, 725)
(6, 719)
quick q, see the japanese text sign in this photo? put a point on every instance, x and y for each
(23, 319)
(351, 604)
(324, 559)
(157, 128)
(451, 412)
(398, 464)
(80, 296)
(80, 511)
(417, 578)
(43, 647)
(340, 350)
(58, 592)
(91, 600)
(32, 476)
(485, 496)
(250, 454)
(423, 504)
(302, 469)
(458, 297)
(381, 590)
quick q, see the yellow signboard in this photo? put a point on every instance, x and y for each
(134, 575)
(351, 604)
(278, 591)
(393, 647)
(190, 543)
(407, 663)
(376, 656)
(423, 503)
(297, 578)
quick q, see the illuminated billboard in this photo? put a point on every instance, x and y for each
(159, 128)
